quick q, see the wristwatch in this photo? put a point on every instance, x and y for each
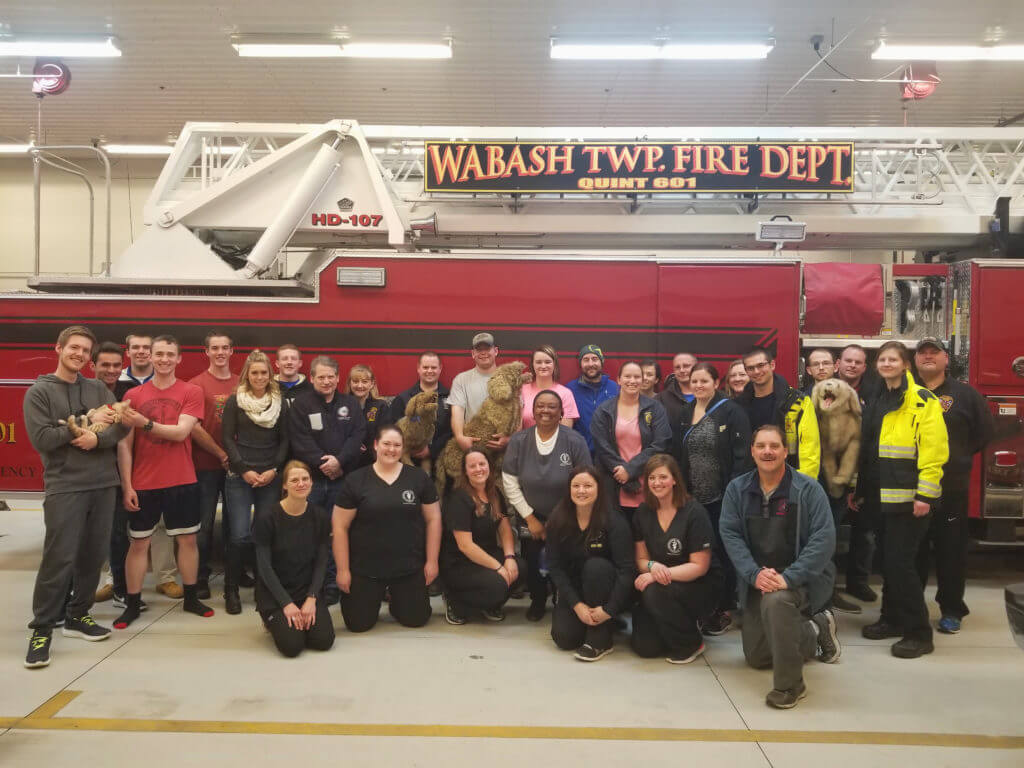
(148, 427)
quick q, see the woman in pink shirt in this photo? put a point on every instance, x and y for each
(544, 367)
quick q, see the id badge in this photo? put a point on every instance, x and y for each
(316, 421)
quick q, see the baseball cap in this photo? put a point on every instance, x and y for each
(483, 338)
(590, 349)
(932, 341)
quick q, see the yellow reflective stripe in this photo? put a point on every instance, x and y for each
(897, 451)
(929, 489)
(897, 495)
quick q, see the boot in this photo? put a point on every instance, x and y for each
(232, 570)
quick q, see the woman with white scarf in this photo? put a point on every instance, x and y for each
(256, 442)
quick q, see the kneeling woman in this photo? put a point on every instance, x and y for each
(591, 565)
(677, 583)
(291, 540)
(478, 552)
(387, 536)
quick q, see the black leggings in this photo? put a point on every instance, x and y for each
(725, 594)
(472, 587)
(531, 548)
(410, 604)
(595, 587)
(666, 615)
(290, 642)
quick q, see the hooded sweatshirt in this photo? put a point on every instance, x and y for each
(67, 469)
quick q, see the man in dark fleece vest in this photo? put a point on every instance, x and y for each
(80, 480)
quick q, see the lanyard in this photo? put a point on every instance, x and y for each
(706, 414)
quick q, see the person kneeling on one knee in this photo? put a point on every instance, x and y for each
(591, 564)
(292, 541)
(777, 527)
(678, 583)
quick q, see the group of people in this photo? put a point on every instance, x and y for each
(682, 507)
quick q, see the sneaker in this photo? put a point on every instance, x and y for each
(245, 580)
(829, 648)
(104, 593)
(785, 699)
(911, 648)
(232, 601)
(38, 650)
(679, 658)
(716, 624)
(202, 589)
(536, 610)
(587, 652)
(495, 614)
(949, 625)
(452, 616)
(881, 630)
(119, 602)
(171, 589)
(862, 592)
(518, 593)
(841, 604)
(85, 628)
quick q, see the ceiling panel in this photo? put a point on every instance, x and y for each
(178, 66)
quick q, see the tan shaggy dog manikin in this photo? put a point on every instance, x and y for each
(500, 414)
(78, 425)
(838, 408)
(418, 426)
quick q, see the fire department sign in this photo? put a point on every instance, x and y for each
(508, 166)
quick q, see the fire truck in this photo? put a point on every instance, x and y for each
(374, 243)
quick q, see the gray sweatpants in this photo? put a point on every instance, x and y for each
(77, 542)
(778, 634)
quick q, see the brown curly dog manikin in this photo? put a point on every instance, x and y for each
(418, 426)
(500, 414)
(838, 409)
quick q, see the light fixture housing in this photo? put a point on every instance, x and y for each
(137, 149)
(65, 48)
(14, 149)
(780, 231)
(946, 52)
(320, 47)
(644, 50)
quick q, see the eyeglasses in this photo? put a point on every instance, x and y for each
(756, 367)
(820, 364)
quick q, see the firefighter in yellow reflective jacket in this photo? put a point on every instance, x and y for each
(904, 446)
(768, 399)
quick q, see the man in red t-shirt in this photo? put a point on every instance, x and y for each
(218, 384)
(157, 476)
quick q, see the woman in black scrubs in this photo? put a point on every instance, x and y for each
(677, 583)
(291, 540)
(478, 552)
(387, 536)
(591, 564)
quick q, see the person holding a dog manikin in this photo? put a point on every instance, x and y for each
(469, 390)
(428, 373)
(970, 426)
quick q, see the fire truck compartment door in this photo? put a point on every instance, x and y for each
(844, 298)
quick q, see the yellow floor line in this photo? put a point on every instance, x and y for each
(44, 719)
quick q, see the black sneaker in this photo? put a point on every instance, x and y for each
(843, 605)
(587, 652)
(120, 603)
(86, 628)
(829, 648)
(495, 614)
(38, 650)
(682, 658)
(245, 580)
(717, 624)
(203, 589)
(536, 610)
(911, 648)
(452, 616)
(785, 699)
(862, 592)
(881, 630)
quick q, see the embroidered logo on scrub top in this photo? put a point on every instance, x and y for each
(597, 543)
(674, 546)
(408, 497)
(564, 460)
(946, 402)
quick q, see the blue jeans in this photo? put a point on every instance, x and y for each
(324, 494)
(211, 488)
(239, 500)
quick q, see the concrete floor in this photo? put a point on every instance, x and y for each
(179, 689)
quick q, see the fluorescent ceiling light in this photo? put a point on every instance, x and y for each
(137, 149)
(636, 51)
(312, 46)
(14, 149)
(66, 48)
(926, 52)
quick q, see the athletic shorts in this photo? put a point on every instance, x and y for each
(177, 505)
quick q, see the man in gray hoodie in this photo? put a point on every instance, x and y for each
(80, 480)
